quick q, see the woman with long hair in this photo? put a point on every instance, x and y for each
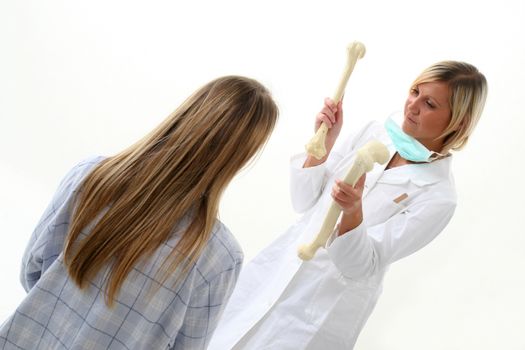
(130, 253)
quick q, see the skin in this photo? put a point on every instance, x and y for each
(427, 114)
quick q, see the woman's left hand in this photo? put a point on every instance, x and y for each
(349, 199)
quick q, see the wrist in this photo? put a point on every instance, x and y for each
(350, 221)
(312, 161)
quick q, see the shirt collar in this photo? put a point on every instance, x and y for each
(421, 174)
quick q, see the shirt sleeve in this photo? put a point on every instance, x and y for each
(364, 251)
(206, 307)
(47, 239)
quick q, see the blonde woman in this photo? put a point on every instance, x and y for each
(130, 253)
(283, 303)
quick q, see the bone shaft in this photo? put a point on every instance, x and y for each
(328, 226)
(344, 80)
(355, 172)
(353, 175)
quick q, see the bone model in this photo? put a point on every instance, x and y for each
(316, 146)
(373, 151)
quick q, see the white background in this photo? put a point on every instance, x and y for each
(88, 78)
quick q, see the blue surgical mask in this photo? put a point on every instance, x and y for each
(407, 146)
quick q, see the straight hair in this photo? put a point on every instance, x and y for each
(134, 200)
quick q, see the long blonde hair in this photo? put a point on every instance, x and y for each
(468, 93)
(135, 199)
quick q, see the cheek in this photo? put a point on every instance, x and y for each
(437, 124)
(445, 120)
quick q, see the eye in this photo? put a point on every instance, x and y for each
(414, 91)
(430, 104)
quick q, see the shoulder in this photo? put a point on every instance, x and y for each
(223, 253)
(73, 178)
(79, 171)
(76, 174)
(373, 130)
(223, 236)
(436, 193)
(441, 177)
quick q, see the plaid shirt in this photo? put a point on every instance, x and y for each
(56, 314)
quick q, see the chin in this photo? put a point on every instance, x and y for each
(408, 128)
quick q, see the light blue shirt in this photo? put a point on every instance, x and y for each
(56, 314)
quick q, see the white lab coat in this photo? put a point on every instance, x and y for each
(281, 302)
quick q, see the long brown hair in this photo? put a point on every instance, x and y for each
(135, 199)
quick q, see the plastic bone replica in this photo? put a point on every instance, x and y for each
(373, 151)
(316, 146)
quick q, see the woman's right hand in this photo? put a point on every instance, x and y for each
(332, 115)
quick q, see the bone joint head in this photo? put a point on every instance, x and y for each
(357, 49)
(377, 151)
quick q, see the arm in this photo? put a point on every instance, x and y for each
(364, 251)
(47, 239)
(308, 174)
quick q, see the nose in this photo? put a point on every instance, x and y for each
(413, 106)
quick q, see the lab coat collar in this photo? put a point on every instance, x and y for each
(420, 174)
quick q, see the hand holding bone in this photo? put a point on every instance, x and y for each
(372, 152)
(316, 147)
(349, 197)
(332, 115)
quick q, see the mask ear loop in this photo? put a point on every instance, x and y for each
(437, 156)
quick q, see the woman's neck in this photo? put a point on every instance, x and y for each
(397, 160)
(433, 144)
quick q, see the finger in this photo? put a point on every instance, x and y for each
(329, 113)
(346, 188)
(347, 194)
(330, 104)
(346, 198)
(338, 192)
(323, 118)
(341, 199)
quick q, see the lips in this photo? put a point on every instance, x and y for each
(411, 120)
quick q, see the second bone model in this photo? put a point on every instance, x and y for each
(372, 152)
